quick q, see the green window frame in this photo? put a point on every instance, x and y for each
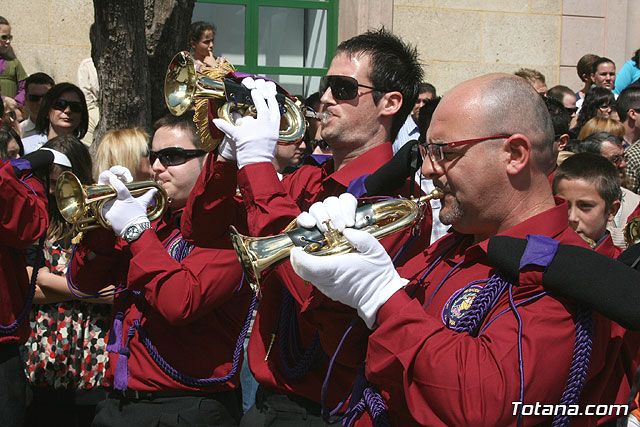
(251, 34)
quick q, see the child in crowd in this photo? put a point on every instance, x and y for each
(591, 186)
(201, 42)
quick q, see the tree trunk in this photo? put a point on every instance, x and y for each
(168, 24)
(132, 44)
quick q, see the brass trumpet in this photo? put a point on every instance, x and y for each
(81, 205)
(183, 84)
(380, 219)
(631, 231)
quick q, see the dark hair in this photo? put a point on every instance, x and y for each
(600, 60)
(592, 100)
(394, 67)
(3, 21)
(81, 167)
(427, 87)
(198, 28)
(312, 100)
(531, 75)
(6, 135)
(601, 137)
(560, 117)
(585, 64)
(629, 99)
(183, 122)
(636, 58)
(424, 117)
(42, 121)
(593, 168)
(593, 143)
(559, 92)
(38, 79)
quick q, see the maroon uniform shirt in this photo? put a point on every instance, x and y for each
(432, 375)
(192, 310)
(270, 205)
(23, 218)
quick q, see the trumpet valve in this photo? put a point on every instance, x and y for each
(332, 236)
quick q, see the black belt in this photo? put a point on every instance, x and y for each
(9, 351)
(263, 393)
(151, 395)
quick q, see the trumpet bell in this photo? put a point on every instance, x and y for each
(81, 205)
(70, 206)
(180, 84)
(631, 231)
(183, 85)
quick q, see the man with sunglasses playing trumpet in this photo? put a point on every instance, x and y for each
(370, 88)
(455, 341)
(175, 345)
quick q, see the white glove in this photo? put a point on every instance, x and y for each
(227, 147)
(125, 210)
(120, 171)
(255, 139)
(341, 211)
(364, 280)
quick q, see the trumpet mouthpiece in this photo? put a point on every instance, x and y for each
(311, 114)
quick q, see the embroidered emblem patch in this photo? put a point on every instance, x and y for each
(458, 304)
(179, 249)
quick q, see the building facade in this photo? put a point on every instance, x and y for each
(291, 41)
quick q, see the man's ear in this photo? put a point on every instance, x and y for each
(613, 210)
(632, 114)
(390, 103)
(563, 141)
(518, 147)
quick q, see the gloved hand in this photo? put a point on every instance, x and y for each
(341, 211)
(364, 279)
(121, 172)
(227, 147)
(256, 138)
(125, 210)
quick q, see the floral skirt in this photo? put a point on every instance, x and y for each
(67, 345)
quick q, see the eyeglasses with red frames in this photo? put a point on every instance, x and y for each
(436, 152)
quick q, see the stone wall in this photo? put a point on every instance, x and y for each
(456, 39)
(51, 36)
(461, 39)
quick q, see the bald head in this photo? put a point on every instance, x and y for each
(506, 104)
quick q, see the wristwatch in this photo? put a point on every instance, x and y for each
(134, 231)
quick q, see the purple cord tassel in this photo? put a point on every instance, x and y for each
(115, 333)
(121, 377)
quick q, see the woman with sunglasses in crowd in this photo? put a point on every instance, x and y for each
(63, 112)
(599, 102)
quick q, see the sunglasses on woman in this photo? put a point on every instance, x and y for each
(174, 156)
(62, 104)
(343, 88)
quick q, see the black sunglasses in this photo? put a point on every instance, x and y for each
(62, 104)
(34, 98)
(571, 110)
(319, 143)
(174, 156)
(343, 88)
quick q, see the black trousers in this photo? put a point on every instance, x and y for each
(281, 410)
(13, 386)
(215, 409)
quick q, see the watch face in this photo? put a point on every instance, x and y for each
(130, 233)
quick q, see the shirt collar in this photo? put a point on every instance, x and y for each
(550, 223)
(363, 164)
